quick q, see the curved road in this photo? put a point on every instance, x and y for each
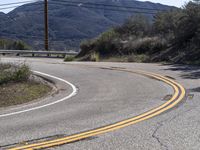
(106, 96)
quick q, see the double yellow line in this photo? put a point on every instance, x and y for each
(179, 94)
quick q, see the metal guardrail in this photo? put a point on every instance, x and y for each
(20, 52)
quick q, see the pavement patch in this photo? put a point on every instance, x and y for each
(170, 77)
(4, 147)
(195, 89)
(167, 97)
(190, 96)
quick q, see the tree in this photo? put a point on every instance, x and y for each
(165, 23)
(196, 1)
(136, 25)
(189, 25)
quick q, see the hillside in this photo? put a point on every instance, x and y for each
(68, 24)
(173, 37)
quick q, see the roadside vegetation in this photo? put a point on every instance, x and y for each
(69, 58)
(11, 44)
(172, 36)
(17, 87)
(14, 73)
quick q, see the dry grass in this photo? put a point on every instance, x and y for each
(17, 87)
(22, 92)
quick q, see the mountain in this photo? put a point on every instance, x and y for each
(69, 21)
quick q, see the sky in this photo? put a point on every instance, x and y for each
(177, 3)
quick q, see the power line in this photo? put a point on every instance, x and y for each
(96, 6)
(90, 5)
(99, 8)
(108, 9)
(24, 2)
(84, 3)
(17, 35)
(4, 8)
(17, 4)
(107, 5)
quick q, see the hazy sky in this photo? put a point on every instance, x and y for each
(177, 3)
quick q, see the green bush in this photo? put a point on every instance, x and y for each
(14, 73)
(103, 45)
(188, 28)
(165, 23)
(69, 58)
(19, 45)
(137, 25)
(147, 45)
(86, 47)
(138, 58)
(4, 66)
(94, 57)
(11, 44)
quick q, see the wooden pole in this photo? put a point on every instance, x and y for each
(46, 42)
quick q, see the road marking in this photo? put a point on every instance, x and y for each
(179, 94)
(74, 92)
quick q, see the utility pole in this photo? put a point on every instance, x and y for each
(46, 42)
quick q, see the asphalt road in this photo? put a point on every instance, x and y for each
(104, 97)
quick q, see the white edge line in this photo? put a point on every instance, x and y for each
(46, 105)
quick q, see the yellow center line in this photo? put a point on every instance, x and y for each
(179, 93)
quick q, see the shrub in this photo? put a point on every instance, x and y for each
(138, 58)
(136, 25)
(188, 27)
(19, 45)
(147, 45)
(165, 23)
(10, 44)
(14, 73)
(69, 58)
(86, 47)
(94, 57)
(4, 66)
(102, 44)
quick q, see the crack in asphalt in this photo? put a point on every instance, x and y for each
(155, 136)
(161, 124)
